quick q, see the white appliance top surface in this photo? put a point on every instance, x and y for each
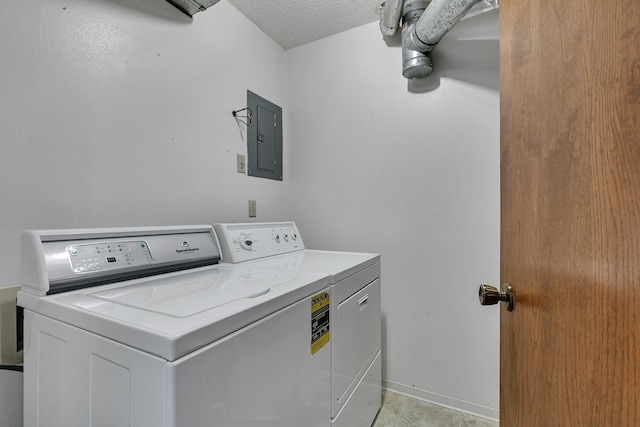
(279, 246)
(338, 265)
(173, 314)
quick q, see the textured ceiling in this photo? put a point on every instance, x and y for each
(292, 23)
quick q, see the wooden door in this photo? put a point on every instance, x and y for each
(570, 233)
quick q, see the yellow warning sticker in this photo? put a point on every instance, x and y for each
(319, 321)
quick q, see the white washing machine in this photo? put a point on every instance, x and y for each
(354, 308)
(141, 327)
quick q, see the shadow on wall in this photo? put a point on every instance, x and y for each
(158, 8)
(472, 61)
(470, 53)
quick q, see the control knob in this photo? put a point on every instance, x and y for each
(246, 242)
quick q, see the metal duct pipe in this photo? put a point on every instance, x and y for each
(424, 24)
(415, 64)
(435, 22)
(390, 16)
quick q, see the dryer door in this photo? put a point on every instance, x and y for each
(356, 341)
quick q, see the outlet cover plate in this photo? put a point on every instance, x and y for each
(241, 163)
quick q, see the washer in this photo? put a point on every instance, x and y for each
(142, 327)
(354, 314)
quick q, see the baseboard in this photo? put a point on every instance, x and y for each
(442, 400)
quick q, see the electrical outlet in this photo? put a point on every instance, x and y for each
(241, 163)
(252, 208)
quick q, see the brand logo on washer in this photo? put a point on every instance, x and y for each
(187, 249)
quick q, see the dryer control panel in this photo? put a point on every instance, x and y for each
(249, 241)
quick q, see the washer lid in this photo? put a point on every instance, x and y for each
(339, 265)
(194, 292)
(173, 314)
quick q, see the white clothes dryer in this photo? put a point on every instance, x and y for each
(355, 318)
(141, 327)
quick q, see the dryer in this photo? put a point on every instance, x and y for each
(142, 327)
(355, 319)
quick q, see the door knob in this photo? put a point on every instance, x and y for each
(490, 296)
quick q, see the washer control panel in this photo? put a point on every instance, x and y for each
(245, 242)
(108, 256)
(62, 260)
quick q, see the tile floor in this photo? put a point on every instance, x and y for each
(402, 411)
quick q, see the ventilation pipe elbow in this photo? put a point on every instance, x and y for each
(436, 21)
(390, 16)
(424, 24)
(415, 63)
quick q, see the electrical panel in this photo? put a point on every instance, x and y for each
(264, 138)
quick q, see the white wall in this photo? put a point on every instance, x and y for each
(118, 112)
(410, 170)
